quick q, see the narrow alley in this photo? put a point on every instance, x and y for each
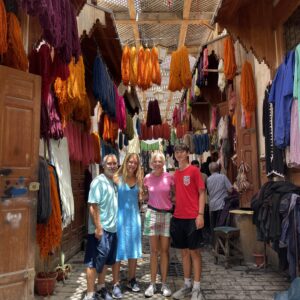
(244, 282)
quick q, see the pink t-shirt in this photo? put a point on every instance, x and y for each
(159, 188)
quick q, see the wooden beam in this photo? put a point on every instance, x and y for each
(166, 21)
(283, 10)
(135, 28)
(184, 26)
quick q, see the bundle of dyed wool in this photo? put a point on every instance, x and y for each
(103, 87)
(125, 65)
(133, 67)
(15, 56)
(141, 66)
(156, 76)
(229, 59)
(3, 28)
(147, 77)
(247, 92)
(59, 24)
(180, 71)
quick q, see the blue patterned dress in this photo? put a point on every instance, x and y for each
(128, 223)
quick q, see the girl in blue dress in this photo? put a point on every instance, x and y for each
(129, 181)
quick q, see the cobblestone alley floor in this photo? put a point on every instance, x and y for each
(237, 282)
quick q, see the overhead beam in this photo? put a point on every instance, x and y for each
(167, 21)
(132, 15)
(184, 26)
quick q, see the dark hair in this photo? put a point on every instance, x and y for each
(181, 147)
(195, 162)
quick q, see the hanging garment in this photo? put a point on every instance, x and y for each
(229, 59)
(296, 86)
(221, 78)
(281, 96)
(60, 158)
(213, 63)
(44, 207)
(294, 156)
(274, 156)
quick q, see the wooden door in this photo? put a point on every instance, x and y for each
(247, 151)
(20, 95)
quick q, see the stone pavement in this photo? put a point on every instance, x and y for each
(237, 282)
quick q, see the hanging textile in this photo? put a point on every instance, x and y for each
(129, 131)
(3, 28)
(60, 158)
(296, 86)
(49, 235)
(120, 110)
(15, 56)
(229, 59)
(175, 83)
(248, 92)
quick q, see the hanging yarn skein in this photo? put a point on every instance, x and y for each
(229, 59)
(248, 92)
(156, 76)
(125, 65)
(3, 28)
(133, 67)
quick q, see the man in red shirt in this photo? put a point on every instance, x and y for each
(187, 221)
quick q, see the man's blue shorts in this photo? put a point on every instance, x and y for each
(101, 252)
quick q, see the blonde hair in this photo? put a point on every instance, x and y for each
(157, 154)
(122, 172)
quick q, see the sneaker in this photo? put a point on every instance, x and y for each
(133, 285)
(165, 290)
(196, 294)
(150, 291)
(90, 298)
(103, 294)
(117, 293)
(182, 293)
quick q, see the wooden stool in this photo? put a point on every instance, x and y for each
(225, 244)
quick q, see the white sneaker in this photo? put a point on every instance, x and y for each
(182, 293)
(166, 291)
(196, 294)
(150, 291)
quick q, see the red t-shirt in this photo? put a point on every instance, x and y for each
(188, 182)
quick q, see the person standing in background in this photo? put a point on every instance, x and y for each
(187, 221)
(102, 237)
(159, 187)
(218, 187)
(129, 182)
